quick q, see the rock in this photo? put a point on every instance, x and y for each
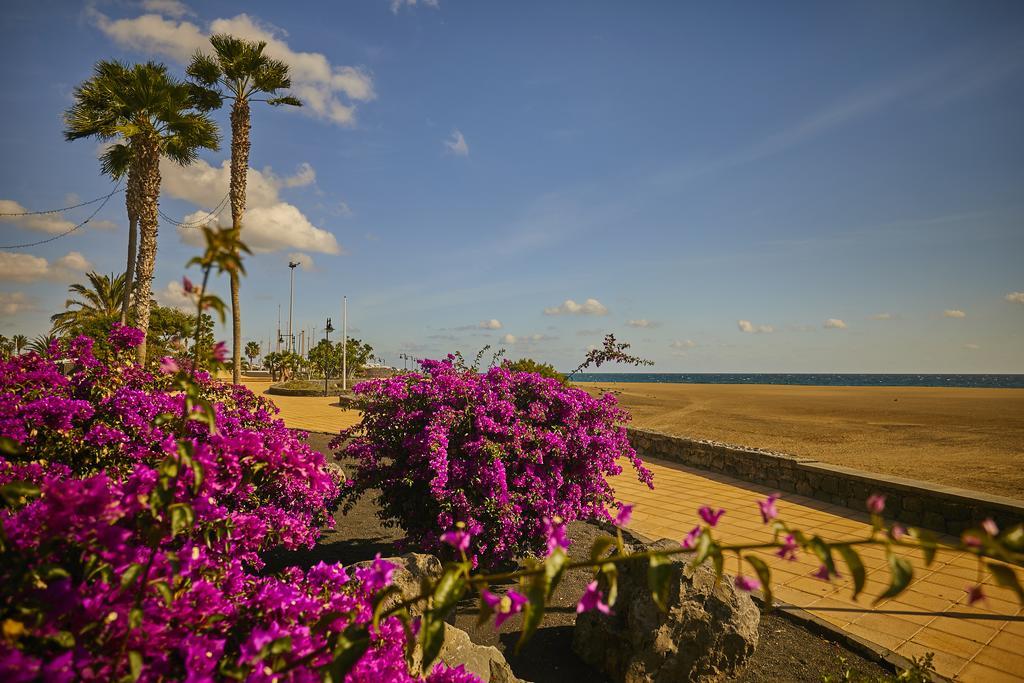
(457, 649)
(708, 634)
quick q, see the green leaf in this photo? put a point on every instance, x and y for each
(9, 446)
(610, 570)
(718, 562)
(131, 574)
(135, 662)
(485, 612)
(279, 646)
(1013, 538)
(351, 646)
(134, 617)
(379, 602)
(183, 517)
(448, 592)
(764, 575)
(1006, 577)
(165, 591)
(901, 573)
(856, 567)
(703, 548)
(431, 637)
(824, 553)
(929, 544)
(600, 547)
(539, 589)
(659, 575)
(18, 493)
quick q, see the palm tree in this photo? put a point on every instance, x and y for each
(252, 351)
(239, 70)
(20, 341)
(41, 344)
(99, 301)
(154, 115)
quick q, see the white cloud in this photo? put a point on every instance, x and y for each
(492, 324)
(570, 307)
(305, 175)
(174, 296)
(50, 223)
(508, 339)
(1015, 297)
(750, 328)
(970, 346)
(883, 316)
(318, 83)
(399, 4)
(834, 324)
(683, 344)
(21, 267)
(269, 224)
(642, 322)
(512, 339)
(12, 303)
(456, 144)
(305, 261)
(954, 313)
(168, 8)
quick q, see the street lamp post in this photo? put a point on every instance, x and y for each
(291, 303)
(327, 365)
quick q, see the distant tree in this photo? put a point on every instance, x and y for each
(96, 302)
(239, 71)
(359, 353)
(41, 344)
(6, 347)
(152, 115)
(252, 351)
(326, 357)
(530, 365)
(20, 341)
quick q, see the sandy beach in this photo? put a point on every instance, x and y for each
(972, 438)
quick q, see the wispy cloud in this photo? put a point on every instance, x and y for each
(13, 303)
(21, 267)
(492, 324)
(399, 4)
(1015, 297)
(456, 144)
(642, 323)
(954, 313)
(884, 316)
(834, 324)
(570, 307)
(750, 328)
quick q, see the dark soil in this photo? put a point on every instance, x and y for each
(787, 652)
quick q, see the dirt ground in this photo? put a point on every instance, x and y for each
(787, 652)
(971, 438)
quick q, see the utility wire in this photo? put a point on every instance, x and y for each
(69, 230)
(66, 208)
(199, 222)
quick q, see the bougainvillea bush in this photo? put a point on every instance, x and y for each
(501, 452)
(135, 507)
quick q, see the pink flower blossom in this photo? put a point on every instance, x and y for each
(592, 599)
(710, 516)
(768, 509)
(746, 583)
(789, 548)
(990, 527)
(974, 594)
(897, 532)
(187, 285)
(504, 606)
(554, 531)
(458, 539)
(876, 503)
(691, 538)
(824, 574)
(220, 352)
(168, 365)
(377, 575)
(625, 514)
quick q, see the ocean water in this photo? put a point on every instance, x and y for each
(819, 380)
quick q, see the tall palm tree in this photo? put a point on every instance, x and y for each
(118, 161)
(239, 71)
(20, 341)
(100, 300)
(154, 115)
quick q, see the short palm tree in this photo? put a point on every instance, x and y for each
(239, 71)
(41, 344)
(153, 115)
(252, 351)
(100, 300)
(20, 341)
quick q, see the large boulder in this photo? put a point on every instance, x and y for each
(487, 662)
(708, 633)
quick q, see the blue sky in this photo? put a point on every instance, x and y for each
(783, 188)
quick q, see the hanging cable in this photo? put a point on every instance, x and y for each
(199, 222)
(66, 208)
(69, 230)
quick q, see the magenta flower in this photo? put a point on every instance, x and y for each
(876, 503)
(824, 574)
(625, 514)
(168, 365)
(187, 285)
(592, 599)
(789, 548)
(897, 532)
(220, 352)
(971, 539)
(746, 583)
(504, 606)
(554, 531)
(457, 539)
(990, 527)
(122, 337)
(377, 575)
(974, 594)
(691, 538)
(768, 509)
(710, 516)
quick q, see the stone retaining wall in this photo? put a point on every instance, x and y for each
(933, 506)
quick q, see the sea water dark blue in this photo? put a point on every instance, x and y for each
(820, 380)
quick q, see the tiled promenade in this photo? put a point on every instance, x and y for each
(983, 644)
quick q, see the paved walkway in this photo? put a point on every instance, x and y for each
(983, 643)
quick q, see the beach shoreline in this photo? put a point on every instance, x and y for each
(966, 437)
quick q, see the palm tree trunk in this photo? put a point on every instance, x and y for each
(149, 197)
(132, 205)
(240, 125)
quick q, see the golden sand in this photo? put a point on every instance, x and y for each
(972, 438)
